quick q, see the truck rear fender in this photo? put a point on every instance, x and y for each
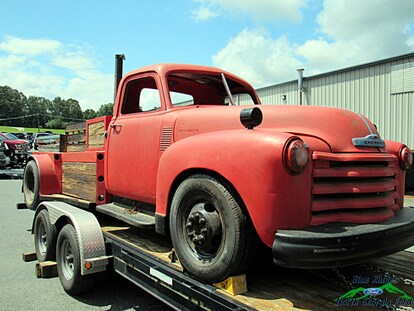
(50, 172)
(252, 162)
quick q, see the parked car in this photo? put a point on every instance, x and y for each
(20, 135)
(18, 148)
(4, 159)
(37, 135)
(29, 138)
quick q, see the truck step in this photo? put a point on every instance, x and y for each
(128, 215)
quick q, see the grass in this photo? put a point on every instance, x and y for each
(11, 129)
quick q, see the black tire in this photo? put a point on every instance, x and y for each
(69, 263)
(31, 185)
(44, 237)
(210, 233)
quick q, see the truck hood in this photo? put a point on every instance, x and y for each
(14, 142)
(335, 126)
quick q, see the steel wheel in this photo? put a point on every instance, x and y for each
(69, 263)
(66, 260)
(44, 237)
(208, 229)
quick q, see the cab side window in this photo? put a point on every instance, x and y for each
(141, 95)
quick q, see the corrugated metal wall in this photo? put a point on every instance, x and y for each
(364, 89)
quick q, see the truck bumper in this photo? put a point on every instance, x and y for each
(342, 244)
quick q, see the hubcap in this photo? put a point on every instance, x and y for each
(41, 240)
(203, 228)
(67, 260)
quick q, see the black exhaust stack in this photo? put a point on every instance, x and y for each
(119, 60)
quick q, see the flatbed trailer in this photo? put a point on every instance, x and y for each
(146, 262)
(149, 261)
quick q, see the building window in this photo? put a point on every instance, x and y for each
(402, 78)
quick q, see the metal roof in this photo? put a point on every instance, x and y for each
(378, 62)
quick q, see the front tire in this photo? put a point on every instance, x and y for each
(209, 230)
(69, 263)
(44, 237)
(31, 185)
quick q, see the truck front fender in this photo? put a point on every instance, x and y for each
(252, 161)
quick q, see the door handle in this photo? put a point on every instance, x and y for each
(114, 126)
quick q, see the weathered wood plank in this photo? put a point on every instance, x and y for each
(79, 180)
(76, 138)
(76, 148)
(77, 127)
(96, 134)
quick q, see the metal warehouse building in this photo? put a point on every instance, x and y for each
(382, 90)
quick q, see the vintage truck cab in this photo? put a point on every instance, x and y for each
(191, 153)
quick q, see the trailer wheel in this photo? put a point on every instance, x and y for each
(209, 230)
(31, 185)
(69, 263)
(44, 237)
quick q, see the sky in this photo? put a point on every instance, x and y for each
(54, 48)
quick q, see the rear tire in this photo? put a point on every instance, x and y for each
(31, 185)
(44, 237)
(69, 263)
(210, 233)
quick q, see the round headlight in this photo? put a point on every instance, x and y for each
(406, 158)
(296, 156)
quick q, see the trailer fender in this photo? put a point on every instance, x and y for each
(88, 232)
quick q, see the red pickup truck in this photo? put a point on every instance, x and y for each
(189, 152)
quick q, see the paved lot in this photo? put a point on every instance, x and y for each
(11, 173)
(21, 290)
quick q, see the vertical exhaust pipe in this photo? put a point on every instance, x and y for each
(301, 88)
(119, 61)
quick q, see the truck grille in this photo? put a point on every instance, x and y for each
(356, 188)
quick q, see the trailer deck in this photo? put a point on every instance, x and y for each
(149, 261)
(269, 287)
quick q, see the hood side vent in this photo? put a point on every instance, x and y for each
(166, 137)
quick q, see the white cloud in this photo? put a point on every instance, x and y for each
(377, 28)
(49, 68)
(350, 32)
(18, 46)
(256, 9)
(203, 14)
(74, 61)
(258, 58)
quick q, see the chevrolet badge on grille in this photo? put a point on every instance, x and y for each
(371, 140)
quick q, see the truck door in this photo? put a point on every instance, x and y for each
(134, 139)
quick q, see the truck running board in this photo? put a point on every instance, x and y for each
(128, 215)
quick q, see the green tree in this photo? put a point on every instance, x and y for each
(89, 114)
(105, 110)
(12, 103)
(56, 123)
(37, 110)
(67, 111)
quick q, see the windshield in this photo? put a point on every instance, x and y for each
(187, 88)
(10, 136)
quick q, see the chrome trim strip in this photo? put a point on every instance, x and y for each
(366, 123)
